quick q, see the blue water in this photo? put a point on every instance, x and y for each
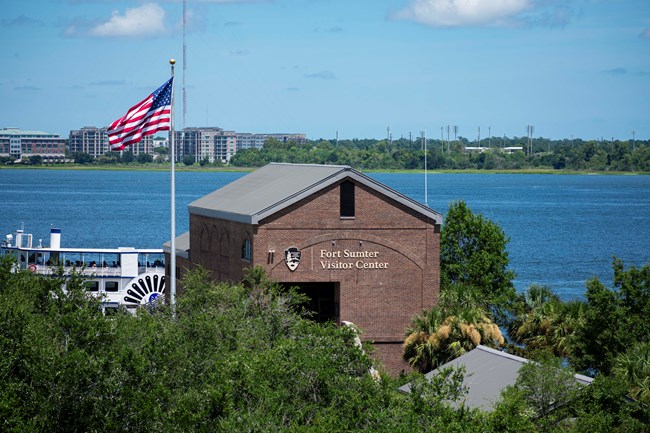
(563, 229)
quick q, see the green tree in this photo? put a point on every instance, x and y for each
(188, 160)
(512, 413)
(51, 342)
(35, 160)
(454, 327)
(473, 252)
(127, 157)
(83, 158)
(542, 394)
(434, 393)
(144, 158)
(109, 158)
(633, 367)
(605, 407)
(543, 323)
(615, 320)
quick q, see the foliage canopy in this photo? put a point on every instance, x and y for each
(473, 252)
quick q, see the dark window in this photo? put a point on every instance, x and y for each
(111, 286)
(347, 199)
(246, 249)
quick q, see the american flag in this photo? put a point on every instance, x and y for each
(144, 118)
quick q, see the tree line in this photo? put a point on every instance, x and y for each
(404, 154)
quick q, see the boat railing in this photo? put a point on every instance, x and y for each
(92, 271)
(143, 269)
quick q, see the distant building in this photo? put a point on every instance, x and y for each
(21, 144)
(201, 143)
(211, 143)
(146, 145)
(90, 140)
(217, 144)
(160, 141)
(256, 141)
(481, 149)
(94, 142)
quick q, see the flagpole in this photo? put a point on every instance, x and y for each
(172, 152)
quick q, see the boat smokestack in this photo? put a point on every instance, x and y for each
(55, 238)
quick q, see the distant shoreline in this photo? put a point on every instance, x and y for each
(249, 169)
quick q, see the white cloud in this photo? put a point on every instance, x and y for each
(462, 13)
(145, 20)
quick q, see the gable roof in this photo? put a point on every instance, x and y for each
(276, 186)
(487, 373)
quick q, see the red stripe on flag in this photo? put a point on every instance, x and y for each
(145, 118)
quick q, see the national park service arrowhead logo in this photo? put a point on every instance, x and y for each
(292, 258)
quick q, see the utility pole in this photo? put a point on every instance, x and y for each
(424, 146)
(529, 132)
(184, 93)
(489, 137)
(532, 130)
(448, 128)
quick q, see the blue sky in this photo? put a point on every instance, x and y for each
(576, 68)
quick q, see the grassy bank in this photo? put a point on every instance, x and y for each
(183, 168)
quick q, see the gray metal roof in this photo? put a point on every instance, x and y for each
(182, 245)
(275, 186)
(487, 373)
(21, 132)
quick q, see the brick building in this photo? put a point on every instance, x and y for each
(20, 144)
(361, 251)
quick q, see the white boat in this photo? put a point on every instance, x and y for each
(122, 277)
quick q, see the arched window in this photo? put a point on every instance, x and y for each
(246, 249)
(224, 243)
(205, 240)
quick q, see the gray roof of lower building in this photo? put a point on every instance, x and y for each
(275, 186)
(182, 245)
(487, 373)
